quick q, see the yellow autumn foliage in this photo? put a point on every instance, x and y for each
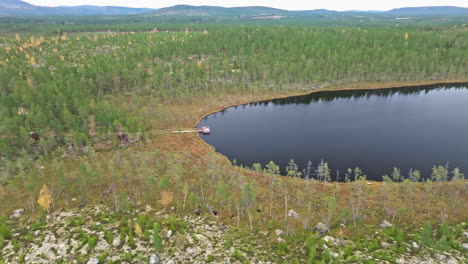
(166, 198)
(32, 60)
(138, 230)
(45, 198)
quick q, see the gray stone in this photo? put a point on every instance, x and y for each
(384, 244)
(440, 257)
(279, 240)
(93, 261)
(37, 232)
(415, 245)
(116, 241)
(385, 224)
(321, 227)
(169, 234)
(279, 232)
(329, 239)
(465, 234)
(334, 255)
(293, 214)
(17, 213)
(170, 262)
(154, 259)
(465, 246)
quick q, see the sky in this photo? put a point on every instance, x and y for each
(338, 5)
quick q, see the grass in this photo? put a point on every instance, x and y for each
(127, 168)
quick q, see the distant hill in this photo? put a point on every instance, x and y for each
(430, 10)
(253, 12)
(21, 8)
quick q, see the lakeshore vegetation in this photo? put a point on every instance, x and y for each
(84, 119)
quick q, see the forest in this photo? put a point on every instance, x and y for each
(86, 110)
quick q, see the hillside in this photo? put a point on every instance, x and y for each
(21, 8)
(431, 10)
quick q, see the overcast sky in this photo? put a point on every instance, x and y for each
(283, 4)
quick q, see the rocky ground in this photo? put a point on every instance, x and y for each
(98, 235)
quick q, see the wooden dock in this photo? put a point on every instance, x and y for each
(203, 130)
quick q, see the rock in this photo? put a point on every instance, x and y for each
(415, 245)
(293, 214)
(211, 209)
(334, 255)
(384, 244)
(169, 234)
(279, 239)
(452, 261)
(223, 228)
(440, 257)
(93, 261)
(170, 262)
(116, 241)
(321, 227)
(385, 224)
(465, 246)
(154, 259)
(279, 232)
(329, 239)
(148, 208)
(17, 213)
(400, 261)
(37, 232)
(465, 234)
(197, 210)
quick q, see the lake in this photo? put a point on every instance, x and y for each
(375, 130)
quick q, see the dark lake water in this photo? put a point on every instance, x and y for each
(375, 130)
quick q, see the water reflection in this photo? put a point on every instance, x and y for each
(376, 130)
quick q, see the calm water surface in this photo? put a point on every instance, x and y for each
(375, 130)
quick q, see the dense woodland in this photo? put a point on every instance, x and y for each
(78, 90)
(60, 82)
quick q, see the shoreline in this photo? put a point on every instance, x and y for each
(336, 88)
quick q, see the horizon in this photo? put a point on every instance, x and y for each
(294, 5)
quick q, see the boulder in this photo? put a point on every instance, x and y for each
(321, 227)
(197, 210)
(93, 261)
(17, 213)
(154, 259)
(385, 224)
(329, 239)
(293, 214)
(384, 244)
(116, 241)
(211, 209)
(279, 232)
(440, 257)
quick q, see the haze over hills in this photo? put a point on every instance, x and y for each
(21, 8)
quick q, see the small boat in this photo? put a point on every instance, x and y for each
(204, 130)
